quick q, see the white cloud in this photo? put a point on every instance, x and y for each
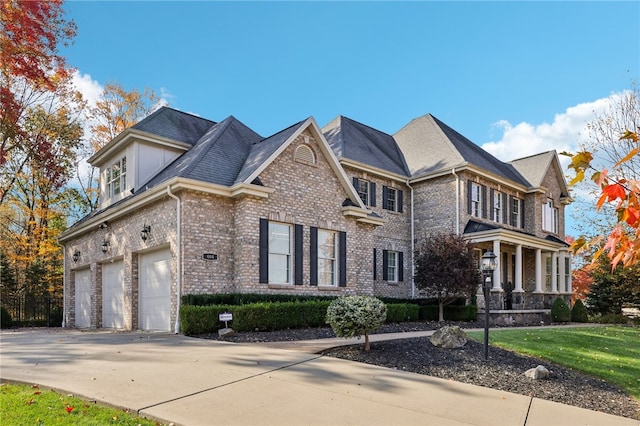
(565, 133)
(90, 88)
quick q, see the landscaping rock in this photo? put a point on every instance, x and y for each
(224, 332)
(449, 337)
(540, 372)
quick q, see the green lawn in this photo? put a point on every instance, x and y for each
(30, 405)
(611, 353)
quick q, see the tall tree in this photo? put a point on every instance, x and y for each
(445, 269)
(117, 110)
(611, 161)
(32, 73)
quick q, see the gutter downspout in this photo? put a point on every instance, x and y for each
(413, 248)
(453, 171)
(179, 256)
(64, 284)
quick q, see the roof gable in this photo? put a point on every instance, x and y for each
(355, 141)
(429, 145)
(535, 168)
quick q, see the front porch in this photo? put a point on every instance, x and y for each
(531, 272)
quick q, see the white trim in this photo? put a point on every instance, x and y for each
(123, 138)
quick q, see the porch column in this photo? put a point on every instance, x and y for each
(518, 266)
(497, 282)
(569, 284)
(554, 272)
(562, 285)
(538, 271)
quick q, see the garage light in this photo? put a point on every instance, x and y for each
(146, 230)
(105, 246)
(76, 255)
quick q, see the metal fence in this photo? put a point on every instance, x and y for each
(32, 310)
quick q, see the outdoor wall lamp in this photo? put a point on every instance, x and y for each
(488, 265)
(105, 246)
(76, 256)
(146, 230)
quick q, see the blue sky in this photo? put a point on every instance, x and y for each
(514, 77)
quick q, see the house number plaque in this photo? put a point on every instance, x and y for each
(210, 256)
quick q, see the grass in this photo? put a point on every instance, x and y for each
(611, 353)
(30, 405)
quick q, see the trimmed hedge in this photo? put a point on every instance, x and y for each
(197, 320)
(5, 318)
(579, 312)
(451, 312)
(560, 311)
(246, 298)
(401, 312)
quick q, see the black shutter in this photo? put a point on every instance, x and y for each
(375, 264)
(385, 265)
(342, 268)
(264, 251)
(505, 209)
(313, 256)
(372, 194)
(385, 197)
(400, 266)
(491, 200)
(399, 200)
(469, 185)
(297, 269)
(521, 214)
(510, 208)
(356, 183)
(484, 201)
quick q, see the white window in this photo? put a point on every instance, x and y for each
(392, 266)
(363, 191)
(390, 200)
(327, 257)
(116, 178)
(567, 274)
(497, 207)
(516, 212)
(280, 248)
(476, 196)
(548, 272)
(550, 217)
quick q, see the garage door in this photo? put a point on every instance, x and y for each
(113, 295)
(83, 299)
(154, 305)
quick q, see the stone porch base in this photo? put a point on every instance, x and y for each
(517, 316)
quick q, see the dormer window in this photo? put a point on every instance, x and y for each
(116, 178)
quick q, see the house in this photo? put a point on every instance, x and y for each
(189, 205)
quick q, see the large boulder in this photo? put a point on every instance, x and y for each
(449, 337)
(540, 372)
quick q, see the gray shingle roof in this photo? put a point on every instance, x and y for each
(430, 146)
(173, 124)
(355, 141)
(217, 157)
(535, 167)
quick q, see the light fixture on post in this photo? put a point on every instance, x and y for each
(488, 266)
(105, 246)
(146, 230)
(76, 256)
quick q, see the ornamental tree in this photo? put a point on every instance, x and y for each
(354, 316)
(445, 269)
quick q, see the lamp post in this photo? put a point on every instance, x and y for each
(488, 266)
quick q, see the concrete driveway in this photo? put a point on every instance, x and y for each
(190, 381)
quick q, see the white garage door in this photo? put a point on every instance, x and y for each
(155, 291)
(113, 295)
(83, 299)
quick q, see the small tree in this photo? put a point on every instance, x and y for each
(445, 268)
(579, 312)
(353, 316)
(560, 311)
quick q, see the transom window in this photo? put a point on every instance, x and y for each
(327, 257)
(280, 248)
(117, 178)
(476, 197)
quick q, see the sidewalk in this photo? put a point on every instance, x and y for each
(188, 381)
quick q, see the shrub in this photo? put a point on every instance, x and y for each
(451, 312)
(560, 311)
(610, 319)
(353, 316)
(579, 312)
(5, 318)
